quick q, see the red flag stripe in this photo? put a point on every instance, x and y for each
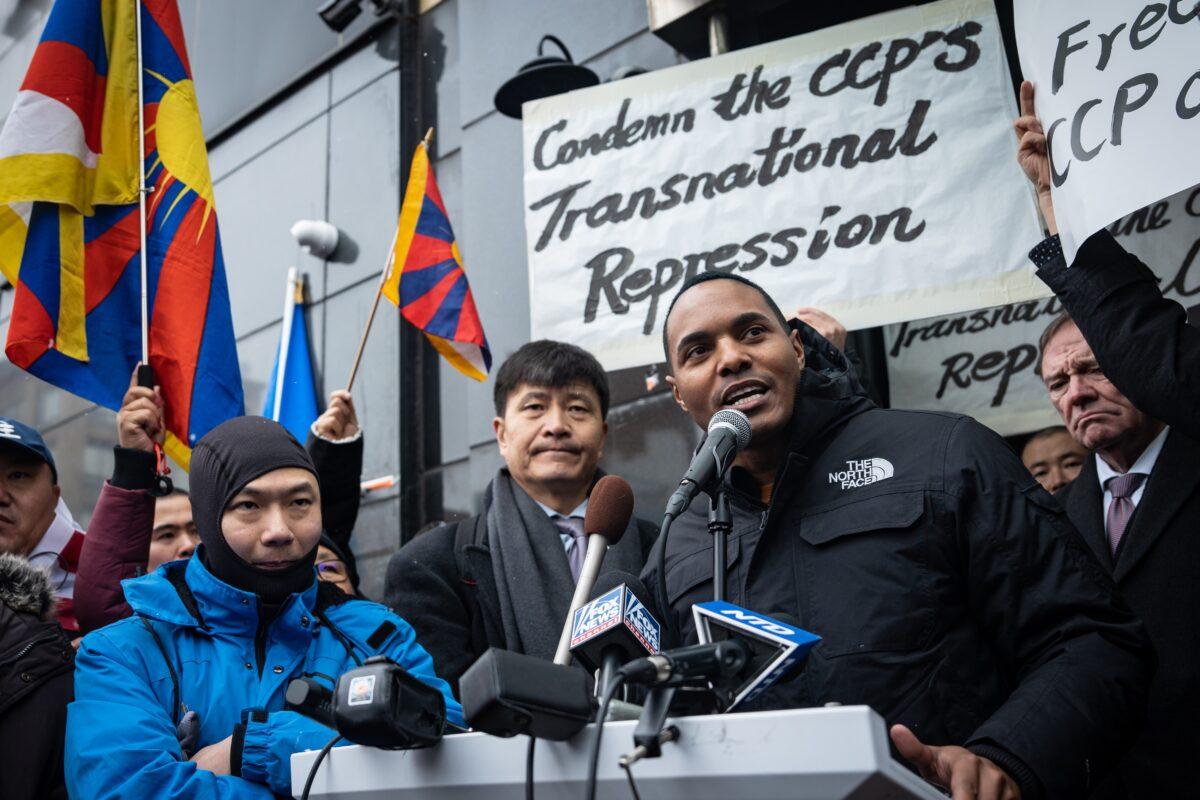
(180, 311)
(420, 311)
(65, 73)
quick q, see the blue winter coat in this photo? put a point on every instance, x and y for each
(121, 740)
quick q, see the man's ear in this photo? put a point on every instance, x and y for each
(501, 434)
(675, 392)
(798, 346)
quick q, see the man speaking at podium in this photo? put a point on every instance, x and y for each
(951, 592)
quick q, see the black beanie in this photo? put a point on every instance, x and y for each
(230, 456)
(344, 555)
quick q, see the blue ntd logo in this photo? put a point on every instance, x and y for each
(755, 621)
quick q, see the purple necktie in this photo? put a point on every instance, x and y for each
(573, 526)
(1121, 507)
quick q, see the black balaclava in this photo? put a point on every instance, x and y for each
(230, 456)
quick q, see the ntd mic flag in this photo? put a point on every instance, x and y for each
(776, 647)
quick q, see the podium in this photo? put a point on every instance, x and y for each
(800, 754)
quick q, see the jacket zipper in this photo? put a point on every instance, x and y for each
(42, 639)
(260, 640)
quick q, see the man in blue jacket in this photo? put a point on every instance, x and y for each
(214, 640)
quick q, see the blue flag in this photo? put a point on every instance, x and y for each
(295, 405)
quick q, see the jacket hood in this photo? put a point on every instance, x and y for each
(25, 588)
(828, 392)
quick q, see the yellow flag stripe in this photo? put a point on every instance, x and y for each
(71, 336)
(456, 359)
(12, 242)
(50, 177)
(410, 212)
(179, 452)
(119, 160)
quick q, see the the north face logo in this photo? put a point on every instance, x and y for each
(860, 473)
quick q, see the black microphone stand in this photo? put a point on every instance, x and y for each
(720, 524)
(649, 735)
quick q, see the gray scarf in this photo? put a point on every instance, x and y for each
(533, 579)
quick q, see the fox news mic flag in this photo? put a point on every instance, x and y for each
(425, 277)
(69, 219)
(292, 392)
(635, 631)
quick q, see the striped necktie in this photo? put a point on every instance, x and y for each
(573, 527)
(1121, 507)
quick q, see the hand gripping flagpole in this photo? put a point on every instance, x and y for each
(383, 277)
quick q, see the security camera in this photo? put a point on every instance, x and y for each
(338, 14)
(318, 237)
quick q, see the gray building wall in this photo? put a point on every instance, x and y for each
(331, 149)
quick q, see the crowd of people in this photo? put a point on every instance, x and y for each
(1024, 623)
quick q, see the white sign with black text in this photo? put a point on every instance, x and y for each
(868, 169)
(1118, 93)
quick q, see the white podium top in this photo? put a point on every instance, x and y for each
(802, 754)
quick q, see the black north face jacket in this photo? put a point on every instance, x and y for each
(951, 592)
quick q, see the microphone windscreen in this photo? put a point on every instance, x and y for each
(736, 420)
(610, 507)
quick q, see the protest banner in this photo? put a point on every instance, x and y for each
(1118, 94)
(868, 169)
(982, 363)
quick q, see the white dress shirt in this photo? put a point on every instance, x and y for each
(580, 511)
(1144, 465)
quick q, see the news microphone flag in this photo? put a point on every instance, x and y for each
(292, 392)
(425, 277)
(777, 648)
(70, 225)
(619, 610)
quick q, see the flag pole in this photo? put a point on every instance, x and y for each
(141, 164)
(285, 340)
(383, 277)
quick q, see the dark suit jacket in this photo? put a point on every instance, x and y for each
(1157, 570)
(442, 583)
(1142, 341)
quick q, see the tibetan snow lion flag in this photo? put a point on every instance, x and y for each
(425, 278)
(69, 219)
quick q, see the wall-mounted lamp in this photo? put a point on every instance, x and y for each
(318, 237)
(543, 77)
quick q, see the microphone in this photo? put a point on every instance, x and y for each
(713, 662)
(614, 628)
(610, 507)
(775, 647)
(306, 696)
(728, 433)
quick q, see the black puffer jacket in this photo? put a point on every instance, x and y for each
(36, 663)
(951, 592)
